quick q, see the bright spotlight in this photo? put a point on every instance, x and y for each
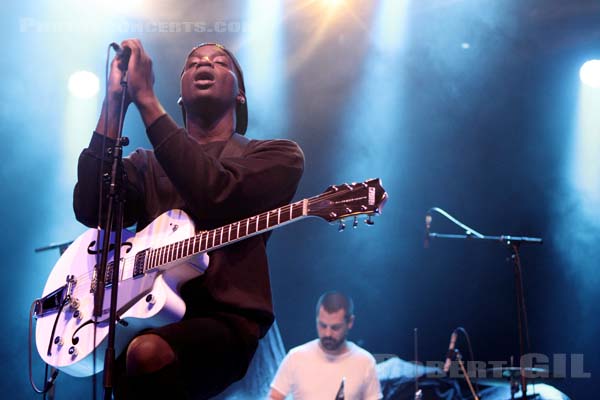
(590, 73)
(332, 3)
(84, 84)
(121, 6)
(465, 45)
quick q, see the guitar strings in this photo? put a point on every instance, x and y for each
(157, 255)
(85, 278)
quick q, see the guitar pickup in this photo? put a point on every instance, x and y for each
(50, 302)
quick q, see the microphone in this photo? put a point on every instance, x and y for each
(450, 353)
(340, 393)
(427, 226)
(123, 54)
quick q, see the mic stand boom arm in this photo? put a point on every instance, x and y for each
(506, 239)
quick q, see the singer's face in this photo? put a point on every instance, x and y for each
(333, 329)
(208, 75)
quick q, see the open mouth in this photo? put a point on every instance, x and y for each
(204, 77)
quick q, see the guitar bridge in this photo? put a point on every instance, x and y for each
(55, 300)
(50, 302)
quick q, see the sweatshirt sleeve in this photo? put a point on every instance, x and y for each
(91, 167)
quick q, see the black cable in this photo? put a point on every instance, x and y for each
(105, 134)
(468, 230)
(48, 383)
(466, 334)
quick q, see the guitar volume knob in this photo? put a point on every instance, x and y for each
(74, 304)
(150, 299)
(58, 341)
(73, 351)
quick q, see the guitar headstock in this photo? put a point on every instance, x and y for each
(348, 199)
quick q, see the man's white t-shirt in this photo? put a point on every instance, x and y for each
(308, 373)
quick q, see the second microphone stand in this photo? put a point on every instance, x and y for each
(513, 242)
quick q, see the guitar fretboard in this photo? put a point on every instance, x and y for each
(218, 237)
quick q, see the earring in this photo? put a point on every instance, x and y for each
(241, 100)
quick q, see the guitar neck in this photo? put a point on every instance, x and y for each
(219, 237)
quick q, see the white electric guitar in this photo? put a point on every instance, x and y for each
(155, 262)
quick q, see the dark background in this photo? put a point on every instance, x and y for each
(488, 133)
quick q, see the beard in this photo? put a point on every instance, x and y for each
(331, 344)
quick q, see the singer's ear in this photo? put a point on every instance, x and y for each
(351, 322)
(241, 96)
(183, 114)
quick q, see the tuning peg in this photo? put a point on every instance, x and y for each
(341, 225)
(369, 221)
(355, 222)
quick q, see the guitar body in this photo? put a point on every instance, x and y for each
(150, 299)
(155, 263)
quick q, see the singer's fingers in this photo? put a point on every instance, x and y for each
(140, 72)
(115, 72)
(135, 45)
(139, 57)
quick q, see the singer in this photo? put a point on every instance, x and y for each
(330, 367)
(217, 176)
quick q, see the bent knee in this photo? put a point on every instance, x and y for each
(148, 353)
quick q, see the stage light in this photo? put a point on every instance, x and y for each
(332, 3)
(390, 26)
(84, 84)
(465, 45)
(120, 6)
(371, 109)
(590, 73)
(584, 175)
(263, 60)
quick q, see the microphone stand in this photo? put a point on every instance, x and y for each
(114, 215)
(514, 242)
(62, 247)
(465, 373)
(418, 391)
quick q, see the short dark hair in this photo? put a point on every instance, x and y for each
(333, 301)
